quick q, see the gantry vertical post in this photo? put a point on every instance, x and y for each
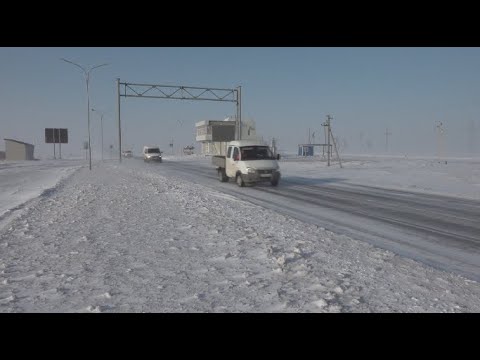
(119, 127)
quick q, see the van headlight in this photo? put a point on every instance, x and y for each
(251, 171)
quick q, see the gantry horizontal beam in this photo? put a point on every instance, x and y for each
(178, 92)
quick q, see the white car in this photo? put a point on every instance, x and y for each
(152, 153)
(127, 153)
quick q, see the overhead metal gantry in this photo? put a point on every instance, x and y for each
(178, 93)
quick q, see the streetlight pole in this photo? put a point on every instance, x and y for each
(101, 124)
(86, 72)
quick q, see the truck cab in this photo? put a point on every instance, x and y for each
(248, 162)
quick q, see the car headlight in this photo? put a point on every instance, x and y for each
(251, 170)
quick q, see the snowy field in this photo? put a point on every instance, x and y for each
(116, 239)
(459, 177)
(25, 180)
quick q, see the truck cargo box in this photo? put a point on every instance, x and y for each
(218, 161)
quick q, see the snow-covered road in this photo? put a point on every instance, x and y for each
(442, 231)
(136, 237)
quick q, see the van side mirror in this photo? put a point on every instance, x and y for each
(278, 156)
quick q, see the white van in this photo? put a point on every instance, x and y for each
(152, 153)
(248, 162)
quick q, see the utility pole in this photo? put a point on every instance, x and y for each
(387, 134)
(324, 140)
(328, 140)
(330, 135)
(440, 132)
(336, 149)
(239, 113)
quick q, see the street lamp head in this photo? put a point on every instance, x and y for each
(77, 65)
(87, 79)
(97, 66)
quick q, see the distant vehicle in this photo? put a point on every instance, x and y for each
(127, 153)
(188, 150)
(248, 162)
(152, 153)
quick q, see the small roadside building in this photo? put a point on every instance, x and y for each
(305, 150)
(213, 135)
(18, 150)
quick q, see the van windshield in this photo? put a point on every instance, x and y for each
(153, 151)
(256, 153)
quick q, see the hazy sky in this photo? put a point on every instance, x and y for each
(285, 90)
